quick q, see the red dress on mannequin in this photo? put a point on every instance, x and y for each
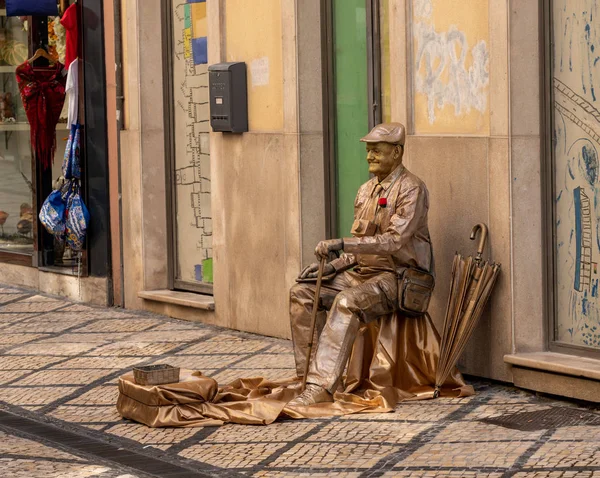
(43, 95)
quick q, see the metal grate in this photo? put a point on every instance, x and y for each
(554, 417)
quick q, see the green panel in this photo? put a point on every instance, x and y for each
(352, 121)
(207, 270)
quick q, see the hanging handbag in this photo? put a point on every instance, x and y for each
(71, 164)
(78, 219)
(415, 287)
(52, 214)
(42, 8)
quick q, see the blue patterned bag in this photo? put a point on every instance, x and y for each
(42, 8)
(78, 218)
(53, 214)
(71, 166)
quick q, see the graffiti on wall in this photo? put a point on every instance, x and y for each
(576, 142)
(451, 67)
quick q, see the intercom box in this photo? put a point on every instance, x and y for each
(228, 97)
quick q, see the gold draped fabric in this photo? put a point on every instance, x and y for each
(393, 359)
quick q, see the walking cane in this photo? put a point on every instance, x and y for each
(313, 321)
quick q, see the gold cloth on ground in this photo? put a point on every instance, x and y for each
(393, 359)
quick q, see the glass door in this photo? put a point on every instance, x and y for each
(191, 220)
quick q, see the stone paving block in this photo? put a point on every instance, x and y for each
(335, 455)
(293, 474)
(487, 411)
(278, 431)
(558, 474)
(26, 362)
(23, 396)
(424, 411)
(18, 338)
(228, 376)
(6, 297)
(63, 377)
(478, 432)
(201, 362)
(139, 349)
(75, 337)
(133, 324)
(282, 348)
(584, 433)
(369, 432)
(10, 375)
(13, 445)
(33, 468)
(54, 349)
(85, 414)
(25, 306)
(18, 318)
(232, 455)
(103, 395)
(102, 362)
(168, 336)
(470, 454)
(564, 454)
(182, 325)
(225, 347)
(145, 435)
(45, 298)
(442, 473)
(43, 326)
(268, 361)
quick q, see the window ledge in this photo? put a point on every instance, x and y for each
(185, 299)
(557, 363)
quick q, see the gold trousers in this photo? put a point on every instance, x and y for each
(349, 299)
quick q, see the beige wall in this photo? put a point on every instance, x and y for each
(263, 214)
(463, 155)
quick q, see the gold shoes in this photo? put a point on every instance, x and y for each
(311, 395)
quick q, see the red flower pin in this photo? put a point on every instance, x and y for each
(382, 202)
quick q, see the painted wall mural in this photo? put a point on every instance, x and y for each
(451, 66)
(576, 141)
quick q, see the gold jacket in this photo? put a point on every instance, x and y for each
(402, 238)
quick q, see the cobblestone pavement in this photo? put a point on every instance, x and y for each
(59, 364)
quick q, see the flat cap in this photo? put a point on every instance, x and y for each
(393, 133)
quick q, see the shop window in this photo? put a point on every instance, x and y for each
(35, 55)
(574, 143)
(189, 162)
(16, 177)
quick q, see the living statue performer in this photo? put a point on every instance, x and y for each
(390, 231)
(390, 357)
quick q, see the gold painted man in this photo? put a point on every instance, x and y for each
(390, 231)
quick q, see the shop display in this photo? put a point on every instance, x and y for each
(71, 25)
(72, 90)
(7, 112)
(64, 213)
(41, 8)
(13, 52)
(57, 39)
(43, 94)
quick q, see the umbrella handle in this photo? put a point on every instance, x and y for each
(482, 239)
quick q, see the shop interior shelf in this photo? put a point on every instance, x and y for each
(22, 126)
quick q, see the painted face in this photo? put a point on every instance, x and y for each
(383, 158)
